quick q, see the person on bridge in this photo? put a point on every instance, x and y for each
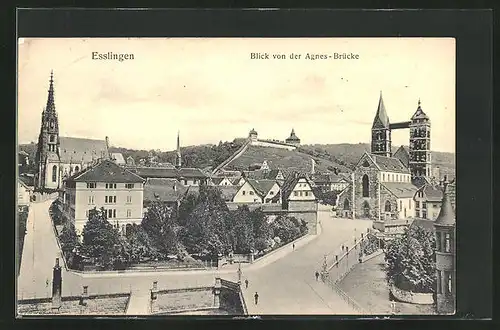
(256, 296)
(317, 275)
(246, 283)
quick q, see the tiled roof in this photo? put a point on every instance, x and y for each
(424, 223)
(27, 180)
(262, 174)
(261, 187)
(433, 194)
(401, 189)
(168, 172)
(118, 157)
(228, 192)
(290, 183)
(390, 164)
(106, 171)
(420, 181)
(403, 155)
(217, 181)
(162, 189)
(381, 119)
(76, 150)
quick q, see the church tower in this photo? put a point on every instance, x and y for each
(420, 144)
(178, 156)
(444, 227)
(47, 154)
(381, 132)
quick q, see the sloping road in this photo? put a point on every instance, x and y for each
(285, 286)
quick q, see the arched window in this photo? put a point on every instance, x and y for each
(366, 186)
(387, 206)
(76, 168)
(54, 173)
(347, 205)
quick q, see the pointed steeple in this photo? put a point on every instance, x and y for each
(381, 119)
(51, 107)
(446, 215)
(178, 160)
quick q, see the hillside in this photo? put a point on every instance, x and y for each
(343, 156)
(282, 158)
(349, 154)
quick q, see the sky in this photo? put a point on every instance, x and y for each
(211, 90)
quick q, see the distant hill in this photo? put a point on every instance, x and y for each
(282, 158)
(343, 156)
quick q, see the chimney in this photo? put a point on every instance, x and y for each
(56, 286)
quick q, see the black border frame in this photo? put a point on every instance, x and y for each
(473, 30)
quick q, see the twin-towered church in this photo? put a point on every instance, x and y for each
(386, 185)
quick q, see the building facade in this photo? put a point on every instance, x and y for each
(445, 257)
(104, 185)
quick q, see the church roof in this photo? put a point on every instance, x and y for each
(446, 215)
(77, 150)
(419, 114)
(403, 155)
(381, 119)
(106, 171)
(168, 172)
(390, 164)
(401, 189)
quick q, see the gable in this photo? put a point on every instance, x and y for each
(366, 162)
(246, 187)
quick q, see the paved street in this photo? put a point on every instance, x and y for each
(286, 285)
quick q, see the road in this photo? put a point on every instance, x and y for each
(285, 286)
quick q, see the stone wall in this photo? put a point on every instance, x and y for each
(307, 211)
(412, 297)
(184, 299)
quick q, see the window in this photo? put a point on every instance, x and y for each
(114, 213)
(271, 193)
(424, 214)
(129, 185)
(77, 168)
(129, 213)
(383, 176)
(54, 173)
(424, 205)
(129, 199)
(251, 192)
(447, 242)
(438, 241)
(346, 205)
(91, 185)
(91, 199)
(438, 283)
(449, 281)
(295, 193)
(366, 186)
(400, 205)
(185, 182)
(110, 213)
(110, 185)
(52, 138)
(106, 199)
(387, 206)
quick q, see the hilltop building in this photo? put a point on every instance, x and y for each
(291, 143)
(58, 157)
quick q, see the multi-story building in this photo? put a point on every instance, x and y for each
(105, 185)
(428, 202)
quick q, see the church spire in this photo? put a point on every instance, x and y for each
(381, 119)
(178, 160)
(51, 107)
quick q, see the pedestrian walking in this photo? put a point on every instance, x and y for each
(317, 275)
(293, 245)
(256, 296)
(246, 283)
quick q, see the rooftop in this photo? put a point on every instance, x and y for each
(77, 150)
(106, 171)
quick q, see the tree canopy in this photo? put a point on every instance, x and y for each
(411, 262)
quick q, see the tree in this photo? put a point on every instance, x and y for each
(140, 245)
(186, 206)
(206, 230)
(410, 260)
(160, 226)
(286, 228)
(261, 227)
(242, 235)
(100, 240)
(69, 241)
